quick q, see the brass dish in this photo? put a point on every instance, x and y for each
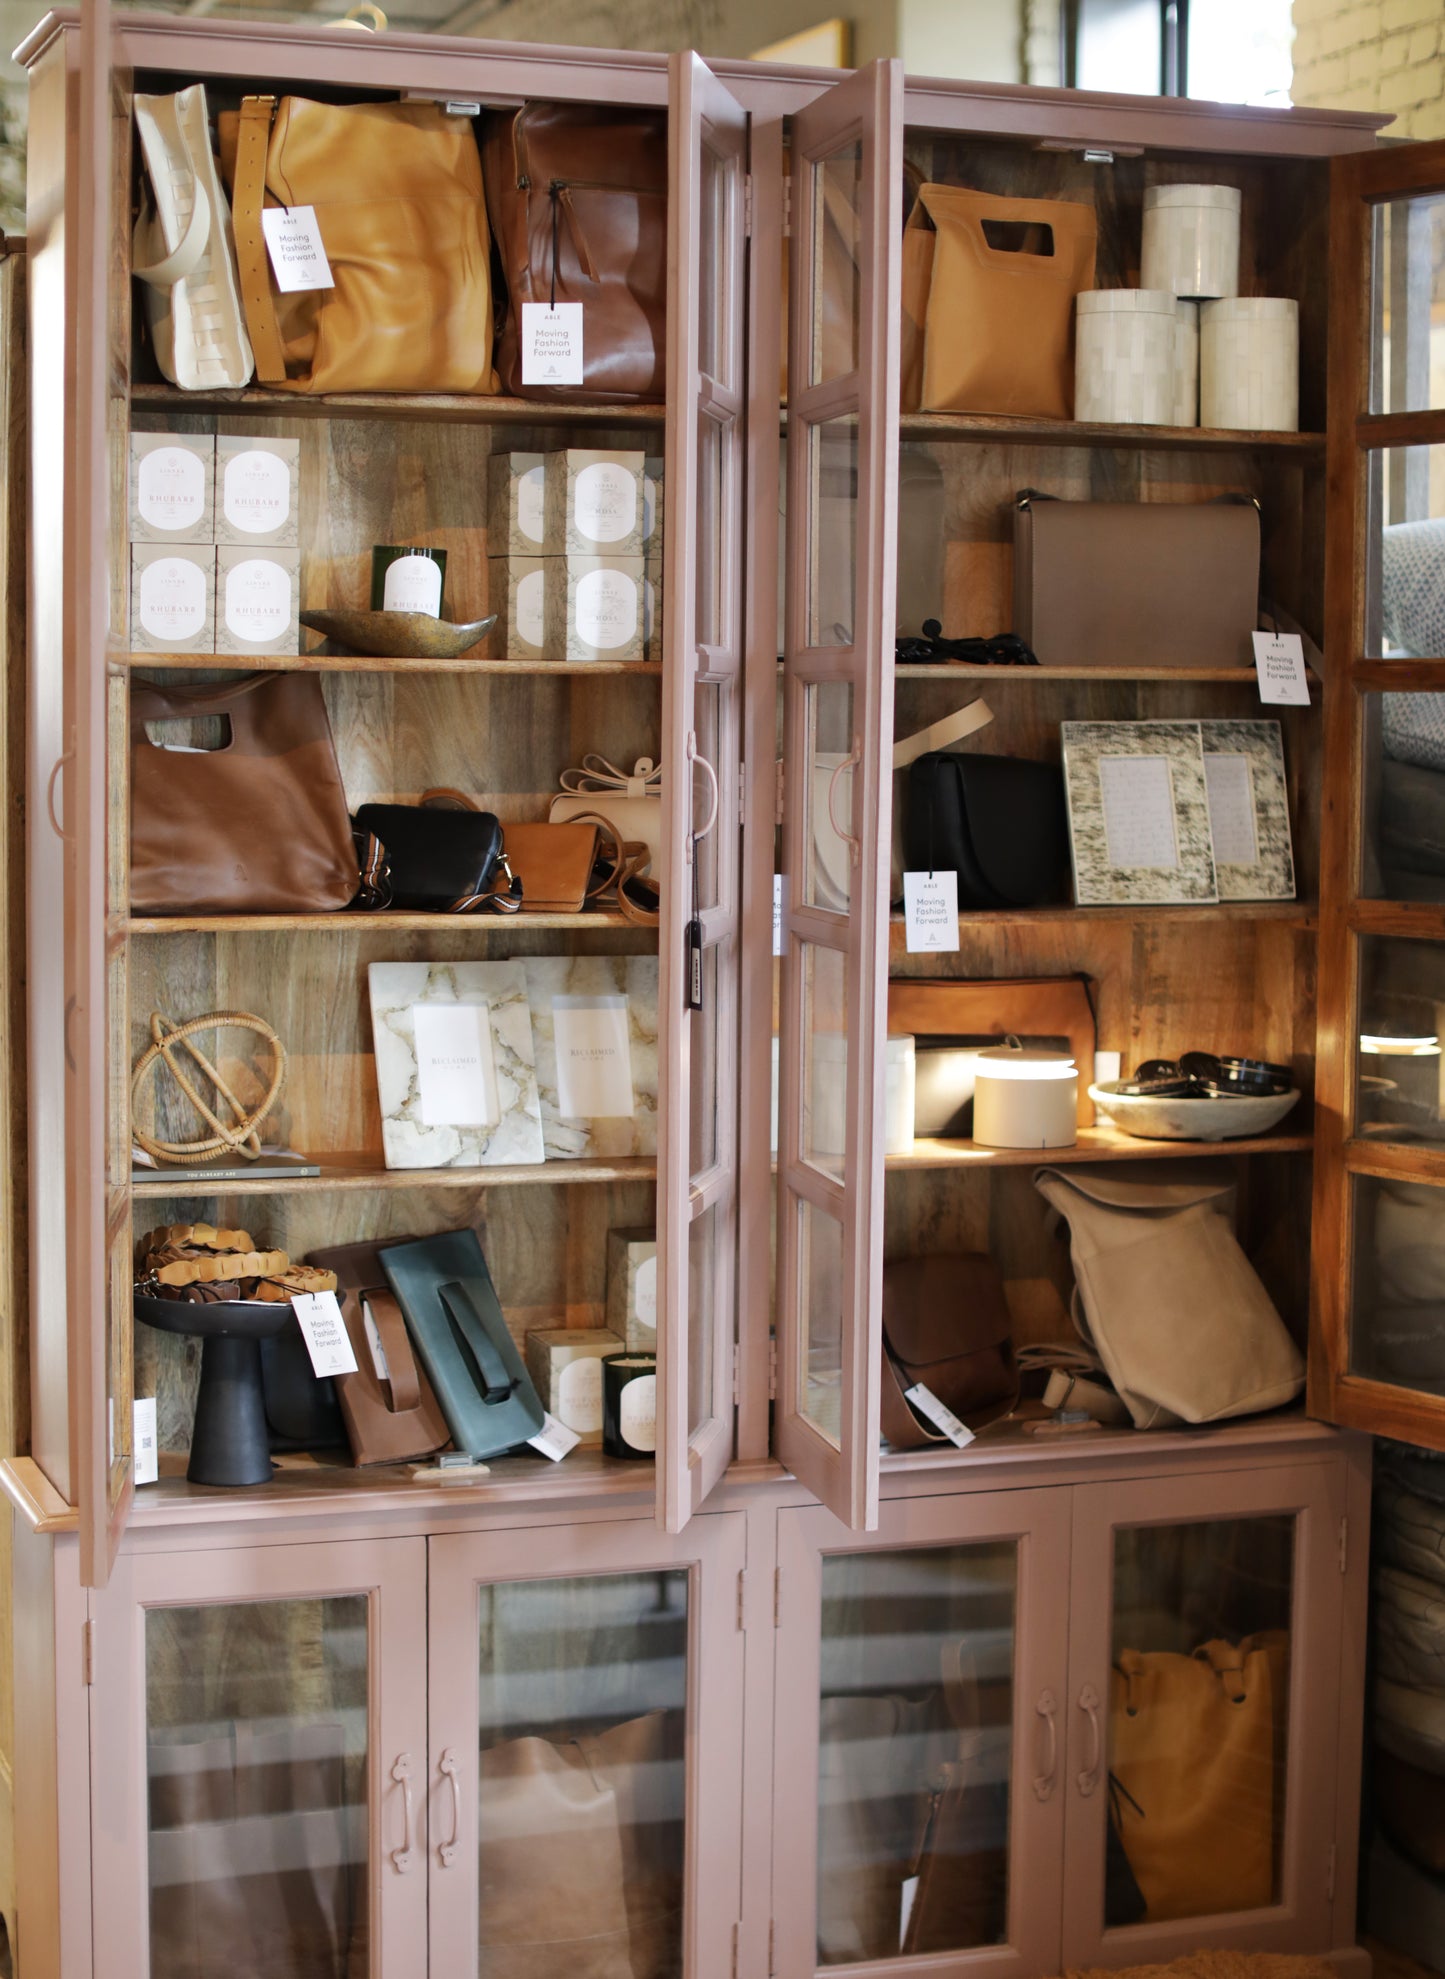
(398, 635)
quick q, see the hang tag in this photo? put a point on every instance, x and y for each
(551, 343)
(930, 912)
(694, 965)
(779, 902)
(1279, 661)
(928, 1404)
(373, 1341)
(293, 241)
(554, 1439)
(908, 1890)
(324, 1331)
(145, 1455)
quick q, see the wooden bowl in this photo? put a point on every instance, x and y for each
(1150, 1117)
(398, 635)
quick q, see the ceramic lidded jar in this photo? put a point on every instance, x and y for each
(1249, 364)
(1025, 1098)
(1126, 356)
(1191, 240)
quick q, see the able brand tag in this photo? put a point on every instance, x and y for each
(1279, 660)
(930, 912)
(293, 241)
(551, 343)
(778, 905)
(145, 1455)
(324, 1331)
(554, 1439)
(941, 1416)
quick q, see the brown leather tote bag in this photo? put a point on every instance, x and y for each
(946, 1324)
(397, 190)
(578, 204)
(258, 826)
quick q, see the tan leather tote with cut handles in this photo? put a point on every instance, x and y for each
(397, 193)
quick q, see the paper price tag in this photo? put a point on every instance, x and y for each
(324, 1331)
(779, 899)
(554, 1439)
(908, 1892)
(942, 1417)
(930, 912)
(1279, 661)
(551, 343)
(145, 1454)
(293, 241)
(373, 1341)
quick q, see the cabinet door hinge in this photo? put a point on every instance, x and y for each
(787, 206)
(777, 1595)
(778, 794)
(737, 1376)
(742, 1597)
(87, 1650)
(748, 234)
(742, 792)
(773, 1369)
(1344, 1544)
(1330, 1874)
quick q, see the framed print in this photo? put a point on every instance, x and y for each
(1138, 813)
(1248, 810)
(454, 1069)
(594, 1024)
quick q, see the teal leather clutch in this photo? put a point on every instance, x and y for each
(455, 1320)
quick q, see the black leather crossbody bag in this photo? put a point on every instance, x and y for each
(438, 861)
(997, 821)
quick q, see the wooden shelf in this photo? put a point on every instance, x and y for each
(362, 1170)
(1023, 429)
(345, 922)
(319, 662)
(476, 408)
(958, 670)
(1291, 913)
(1094, 1144)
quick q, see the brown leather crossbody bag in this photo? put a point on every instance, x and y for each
(946, 1325)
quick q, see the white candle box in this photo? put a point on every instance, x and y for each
(172, 598)
(518, 523)
(172, 488)
(597, 605)
(565, 1363)
(595, 502)
(258, 596)
(652, 511)
(632, 1288)
(517, 593)
(258, 486)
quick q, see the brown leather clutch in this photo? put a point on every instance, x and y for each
(554, 864)
(945, 1324)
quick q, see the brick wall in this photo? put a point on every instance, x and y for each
(1386, 55)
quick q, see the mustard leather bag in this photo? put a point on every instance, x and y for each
(397, 193)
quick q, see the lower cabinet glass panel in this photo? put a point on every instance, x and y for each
(915, 1745)
(1398, 1304)
(256, 1753)
(582, 1778)
(1198, 1718)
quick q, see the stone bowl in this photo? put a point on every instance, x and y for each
(1152, 1118)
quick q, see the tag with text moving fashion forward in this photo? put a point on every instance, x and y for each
(293, 241)
(551, 343)
(930, 912)
(1279, 660)
(939, 1414)
(324, 1331)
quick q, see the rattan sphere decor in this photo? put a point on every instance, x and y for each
(169, 1042)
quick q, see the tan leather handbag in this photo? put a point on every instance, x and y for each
(397, 192)
(578, 203)
(257, 826)
(391, 1420)
(1111, 584)
(1192, 1743)
(999, 328)
(1166, 1297)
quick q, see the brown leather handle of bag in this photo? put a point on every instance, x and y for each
(400, 1365)
(253, 140)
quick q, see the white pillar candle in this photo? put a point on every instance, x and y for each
(1025, 1099)
(1191, 240)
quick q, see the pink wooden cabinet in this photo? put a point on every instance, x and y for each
(696, 1717)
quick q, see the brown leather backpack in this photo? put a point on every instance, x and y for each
(577, 198)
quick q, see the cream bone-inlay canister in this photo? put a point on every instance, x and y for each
(399, 1653)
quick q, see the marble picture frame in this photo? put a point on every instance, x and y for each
(591, 979)
(410, 1087)
(1138, 810)
(1249, 811)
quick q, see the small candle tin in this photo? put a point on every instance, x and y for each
(407, 579)
(629, 1405)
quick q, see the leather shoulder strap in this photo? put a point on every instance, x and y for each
(252, 142)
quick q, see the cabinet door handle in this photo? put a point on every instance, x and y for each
(401, 1858)
(447, 1766)
(849, 762)
(695, 755)
(1047, 1708)
(60, 762)
(1088, 1779)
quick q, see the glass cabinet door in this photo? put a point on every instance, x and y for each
(1379, 1362)
(585, 1786)
(838, 658)
(918, 1796)
(1203, 1700)
(702, 606)
(261, 1764)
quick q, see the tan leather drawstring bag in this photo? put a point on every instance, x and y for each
(999, 326)
(1192, 1746)
(1166, 1298)
(397, 192)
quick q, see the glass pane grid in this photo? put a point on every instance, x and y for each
(1409, 340)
